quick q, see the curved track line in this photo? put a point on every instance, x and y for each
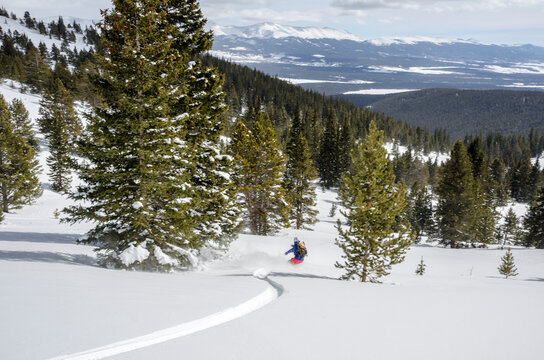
(270, 294)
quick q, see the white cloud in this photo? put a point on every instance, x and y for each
(436, 5)
(266, 15)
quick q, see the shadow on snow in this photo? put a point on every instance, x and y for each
(48, 257)
(39, 237)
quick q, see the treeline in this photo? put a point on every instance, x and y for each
(37, 67)
(246, 87)
(457, 202)
(463, 112)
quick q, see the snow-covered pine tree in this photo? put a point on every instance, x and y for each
(376, 236)
(60, 125)
(19, 184)
(141, 173)
(507, 267)
(213, 201)
(533, 222)
(297, 180)
(258, 168)
(455, 197)
(420, 270)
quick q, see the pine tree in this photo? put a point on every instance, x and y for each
(258, 168)
(534, 222)
(376, 236)
(297, 181)
(455, 200)
(345, 145)
(483, 217)
(327, 164)
(507, 267)
(498, 182)
(214, 203)
(60, 125)
(332, 211)
(142, 182)
(421, 211)
(510, 230)
(19, 184)
(420, 270)
(22, 123)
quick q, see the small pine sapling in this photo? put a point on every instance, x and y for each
(332, 212)
(508, 268)
(420, 270)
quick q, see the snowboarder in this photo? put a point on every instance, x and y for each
(299, 250)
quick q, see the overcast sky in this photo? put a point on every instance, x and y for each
(494, 21)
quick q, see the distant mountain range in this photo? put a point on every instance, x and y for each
(337, 62)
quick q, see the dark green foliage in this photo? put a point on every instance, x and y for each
(19, 184)
(410, 169)
(421, 212)
(519, 180)
(376, 235)
(258, 168)
(60, 125)
(141, 181)
(507, 267)
(463, 112)
(497, 182)
(22, 123)
(534, 222)
(483, 216)
(297, 180)
(455, 197)
(328, 161)
(510, 232)
(477, 158)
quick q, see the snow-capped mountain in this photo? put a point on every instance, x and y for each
(336, 62)
(276, 31)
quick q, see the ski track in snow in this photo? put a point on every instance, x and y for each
(274, 291)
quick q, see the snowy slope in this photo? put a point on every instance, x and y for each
(36, 37)
(54, 301)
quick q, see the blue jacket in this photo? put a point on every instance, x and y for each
(294, 251)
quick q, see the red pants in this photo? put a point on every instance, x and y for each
(295, 261)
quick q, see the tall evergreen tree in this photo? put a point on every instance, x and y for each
(498, 182)
(533, 222)
(60, 125)
(421, 212)
(140, 173)
(510, 231)
(258, 168)
(455, 197)
(22, 123)
(345, 145)
(327, 163)
(19, 184)
(376, 236)
(520, 179)
(299, 172)
(214, 204)
(483, 217)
